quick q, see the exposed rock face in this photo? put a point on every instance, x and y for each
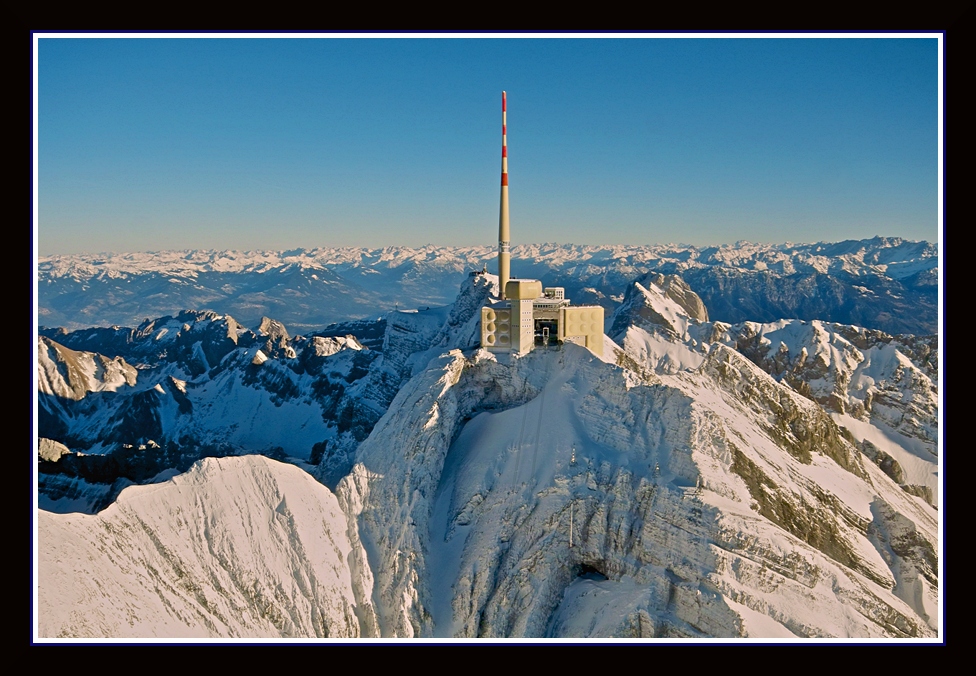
(277, 340)
(851, 370)
(195, 341)
(861, 376)
(368, 332)
(273, 329)
(68, 374)
(50, 451)
(205, 387)
(237, 547)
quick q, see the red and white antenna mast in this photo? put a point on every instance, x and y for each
(504, 243)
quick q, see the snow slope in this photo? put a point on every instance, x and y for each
(236, 547)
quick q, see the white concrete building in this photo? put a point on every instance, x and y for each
(532, 316)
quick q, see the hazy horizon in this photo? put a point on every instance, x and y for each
(491, 246)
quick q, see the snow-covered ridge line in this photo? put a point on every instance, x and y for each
(880, 255)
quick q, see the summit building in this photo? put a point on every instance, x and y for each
(527, 315)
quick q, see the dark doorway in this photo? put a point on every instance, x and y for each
(546, 331)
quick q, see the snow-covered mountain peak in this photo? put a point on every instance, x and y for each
(658, 303)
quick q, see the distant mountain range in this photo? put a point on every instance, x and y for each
(887, 284)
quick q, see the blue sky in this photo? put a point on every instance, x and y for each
(185, 143)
